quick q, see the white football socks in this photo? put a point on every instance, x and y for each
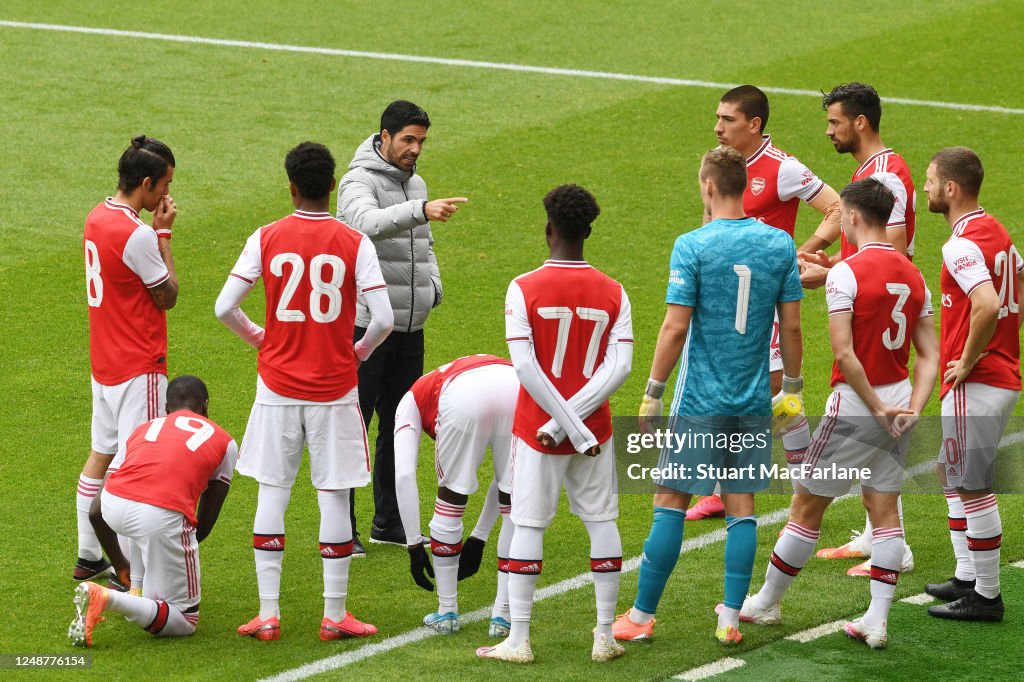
(958, 534)
(525, 563)
(792, 550)
(446, 547)
(88, 544)
(886, 558)
(984, 539)
(501, 608)
(268, 545)
(335, 550)
(605, 570)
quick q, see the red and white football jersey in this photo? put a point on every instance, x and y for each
(313, 266)
(887, 295)
(776, 182)
(169, 462)
(127, 332)
(427, 389)
(980, 251)
(570, 312)
(891, 170)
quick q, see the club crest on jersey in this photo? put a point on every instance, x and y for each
(757, 186)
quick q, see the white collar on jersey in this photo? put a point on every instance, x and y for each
(567, 263)
(310, 215)
(111, 204)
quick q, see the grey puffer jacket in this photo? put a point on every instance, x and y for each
(387, 204)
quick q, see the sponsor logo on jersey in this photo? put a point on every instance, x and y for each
(757, 186)
(947, 300)
(808, 178)
(676, 277)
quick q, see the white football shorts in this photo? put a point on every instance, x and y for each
(537, 478)
(475, 410)
(167, 544)
(849, 438)
(339, 457)
(974, 417)
(118, 410)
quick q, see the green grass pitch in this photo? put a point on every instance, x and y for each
(70, 102)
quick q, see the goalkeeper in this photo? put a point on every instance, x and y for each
(465, 406)
(726, 280)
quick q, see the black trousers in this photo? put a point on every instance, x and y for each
(383, 380)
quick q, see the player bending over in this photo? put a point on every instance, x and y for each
(313, 268)
(465, 406)
(171, 464)
(878, 303)
(982, 274)
(570, 335)
(726, 281)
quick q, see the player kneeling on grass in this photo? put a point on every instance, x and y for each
(726, 281)
(878, 303)
(465, 406)
(171, 464)
(314, 268)
(570, 336)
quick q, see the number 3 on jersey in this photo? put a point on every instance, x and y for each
(564, 316)
(321, 289)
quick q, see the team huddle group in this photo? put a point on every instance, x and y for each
(346, 302)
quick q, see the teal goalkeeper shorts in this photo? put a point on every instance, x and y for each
(703, 451)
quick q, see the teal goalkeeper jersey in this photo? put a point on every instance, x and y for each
(732, 273)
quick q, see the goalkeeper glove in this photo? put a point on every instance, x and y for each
(787, 406)
(651, 407)
(420, 568)
(472, 554)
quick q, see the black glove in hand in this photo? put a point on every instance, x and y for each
(472, 554)
(420, 568)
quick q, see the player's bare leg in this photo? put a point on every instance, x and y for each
(446, 530)
(661, 552)
(121, 580)
(90, 563)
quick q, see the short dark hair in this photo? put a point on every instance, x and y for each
(401, 113)
(751, 101)
(310, 168)
(857, 99)
(147, 157)
(962, 166)
(571, 210)
(871, 198)
(726, 167)
(186, 393)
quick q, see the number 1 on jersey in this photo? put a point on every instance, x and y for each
(742, 297)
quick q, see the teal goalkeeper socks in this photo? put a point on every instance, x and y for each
(661, 551)
(740, 547)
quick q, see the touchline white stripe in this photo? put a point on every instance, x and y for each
(474, 64)
(814, 633)
(711, 669)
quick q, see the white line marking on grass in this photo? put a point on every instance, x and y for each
(711, 669)
(919, 599)
(814, 633)
(1018, 564)
(475, 64)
